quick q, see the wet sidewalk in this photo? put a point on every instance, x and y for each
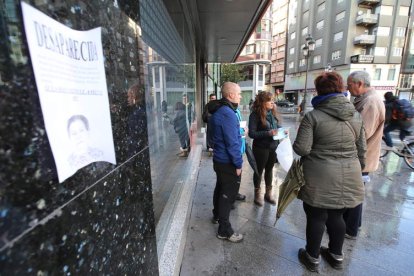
(385, 245)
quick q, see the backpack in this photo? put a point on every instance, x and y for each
(402, 110)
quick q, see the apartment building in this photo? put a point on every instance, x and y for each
(348, 35)
(406, 83)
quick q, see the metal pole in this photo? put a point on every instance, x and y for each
(306, 83)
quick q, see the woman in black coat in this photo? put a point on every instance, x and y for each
(263, 124)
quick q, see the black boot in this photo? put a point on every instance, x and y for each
(312, 264)
(336, 261)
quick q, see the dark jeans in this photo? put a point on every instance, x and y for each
(353, 218)
(393, 126)
(316, 220)
(265, 160)
(227, 186)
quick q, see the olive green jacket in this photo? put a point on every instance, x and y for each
(333, 154)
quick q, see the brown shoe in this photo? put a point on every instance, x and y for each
(258, 199)
(269, 195)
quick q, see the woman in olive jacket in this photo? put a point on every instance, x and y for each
(331, 142)
(263, 124)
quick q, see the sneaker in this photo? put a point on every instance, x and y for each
(349, 237)
(312, 264)
(233, 238)
(214, 220)
(240, 197)
(336, 261)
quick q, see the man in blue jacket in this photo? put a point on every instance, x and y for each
(227, 158)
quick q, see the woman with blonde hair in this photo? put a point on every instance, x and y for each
(263, 124)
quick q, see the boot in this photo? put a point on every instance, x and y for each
(258, 199)
(269, 195)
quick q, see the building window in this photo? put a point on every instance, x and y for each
(380, 51)
(400, 31)
(316, 59)
(291, 65)
(391, 74)
(340, 16)
(338, 36)
(318, 42)
(404, 11)
(305, 15)
(386, 10)
(340, 1)
(250, 49)
(305, 31)
(397, 51)
(377, 74)
(321, 7)
(302, 62)
(383, 31)
(280, 49)
(292, 51)
(319, 25)
(336, 55)
(293, 35)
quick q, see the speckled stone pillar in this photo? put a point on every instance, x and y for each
(100, 221)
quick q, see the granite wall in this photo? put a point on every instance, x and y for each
(100, 220)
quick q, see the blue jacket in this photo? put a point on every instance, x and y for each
(225, 129)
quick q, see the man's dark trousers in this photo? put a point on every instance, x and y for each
(227, 186)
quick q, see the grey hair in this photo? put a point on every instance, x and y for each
(227, 88)
(362, 76)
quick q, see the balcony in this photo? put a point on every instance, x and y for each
(368, 2)
(264, 35)
(367, 19)
(364, 39)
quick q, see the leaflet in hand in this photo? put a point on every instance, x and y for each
(280, 134)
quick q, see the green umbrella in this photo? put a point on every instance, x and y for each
(290, 187)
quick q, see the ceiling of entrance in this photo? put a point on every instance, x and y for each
(222, 27)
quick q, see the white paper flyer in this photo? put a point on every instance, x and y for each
(70, 77)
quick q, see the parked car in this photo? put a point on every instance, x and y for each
(284, 103)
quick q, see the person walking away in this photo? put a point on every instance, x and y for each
(180, 127)
(331, 143)
(227, 159)
(206, 116)
(397, 116)
(371, 107)
(263, 124)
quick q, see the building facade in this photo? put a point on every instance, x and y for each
(349, 35)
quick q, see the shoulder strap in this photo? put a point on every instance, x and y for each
(347, 123)
(352, 129)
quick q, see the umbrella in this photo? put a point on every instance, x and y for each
(290, 187)
(251, 159)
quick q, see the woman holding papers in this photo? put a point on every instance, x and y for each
(264, 123)
(331, 141)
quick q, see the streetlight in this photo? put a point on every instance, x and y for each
(307, 52)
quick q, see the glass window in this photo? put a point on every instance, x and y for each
(318, 42)
(340, 16)
(391, 74)
(383, 31)
(305, 31)
(336, 55)
(377, 74)
(291, 64)
(293, 35)
(400, 31)
(338, 36)
(250, 49)
(319, 25)
(397, 51)
(386, 10)
(321, 7)
(380, 51)
(316, 59)
(305, 15)
(404, 11)
(340, 1)
(292, 51)
(302, 62)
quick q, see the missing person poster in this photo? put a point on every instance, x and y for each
(70, 77)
